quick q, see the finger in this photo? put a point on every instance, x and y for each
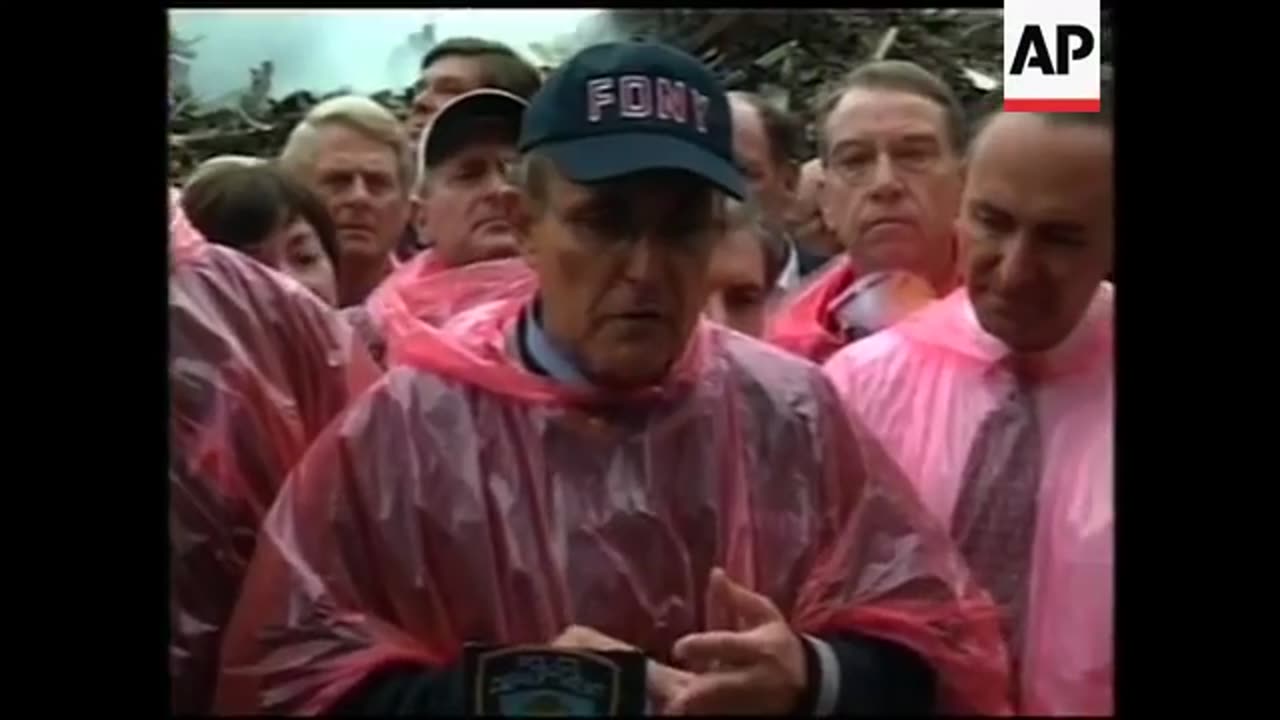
(713, 694)
(701, 650)
(751, 608)
(586, 638)
(572, 637)
(665, 683)
(720, 615)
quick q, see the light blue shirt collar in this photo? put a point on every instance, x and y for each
(545, 353)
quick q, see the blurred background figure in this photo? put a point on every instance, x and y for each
(460, 65)
(765, 143)
(219, 162)
(262, 212)
(354, 153)
(816, 241)
(745, 266)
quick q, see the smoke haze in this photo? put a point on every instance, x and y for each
(360, 50)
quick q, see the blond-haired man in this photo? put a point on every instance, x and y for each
(356, 155)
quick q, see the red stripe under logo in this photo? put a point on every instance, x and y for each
(1045, 105)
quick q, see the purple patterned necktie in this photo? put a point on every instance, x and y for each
(995, 517)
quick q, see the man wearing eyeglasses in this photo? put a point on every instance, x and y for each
(890, 143)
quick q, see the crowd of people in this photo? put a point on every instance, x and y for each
(598, 361)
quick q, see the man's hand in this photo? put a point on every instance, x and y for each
(663, 682)
(581, 637)
(754, 665)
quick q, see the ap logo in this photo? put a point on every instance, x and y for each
(1052, 55)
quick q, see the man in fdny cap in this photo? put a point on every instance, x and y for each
(627, 155)
(586, 463)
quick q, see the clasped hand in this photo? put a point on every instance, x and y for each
(748, 662)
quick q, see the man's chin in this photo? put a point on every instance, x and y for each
(631, 376)
(496, 248)
(361, 247)
(1021, 334)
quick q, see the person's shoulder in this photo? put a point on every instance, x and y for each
(760, 368)
(759, 356)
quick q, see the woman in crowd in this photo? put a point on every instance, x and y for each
(262, 212)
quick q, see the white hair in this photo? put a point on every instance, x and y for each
(356, 113)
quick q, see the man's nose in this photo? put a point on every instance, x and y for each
(885, 183)
(641, 257)
(357, 191)
(1017, 263)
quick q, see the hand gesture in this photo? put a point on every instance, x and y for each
(663, 682)
(749, 662)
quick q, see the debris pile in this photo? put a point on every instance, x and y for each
(790, 57)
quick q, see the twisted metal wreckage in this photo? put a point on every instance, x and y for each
(791, 58)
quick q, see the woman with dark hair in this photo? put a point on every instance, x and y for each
(264, 213)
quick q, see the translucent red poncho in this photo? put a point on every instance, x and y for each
(924, 386)
(258, 366)
(467, 499)
(802, 323)
(409, 293)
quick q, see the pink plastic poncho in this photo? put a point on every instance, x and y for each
(410, 293)
(802, 323)
(466, 499)
(924, 386)
(258, 366)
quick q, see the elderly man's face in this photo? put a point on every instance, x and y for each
(771, 182)
(892, 182)
(359, 180)
(440, 82)
(1037, 227)
(623, 270)
(469, 206)
(738, 293)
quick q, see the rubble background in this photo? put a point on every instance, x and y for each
(791, 57)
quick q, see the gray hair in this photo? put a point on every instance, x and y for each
(900, 76)
(358, 114)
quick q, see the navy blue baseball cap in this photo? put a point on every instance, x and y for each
(620, 108)
(458, 120)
